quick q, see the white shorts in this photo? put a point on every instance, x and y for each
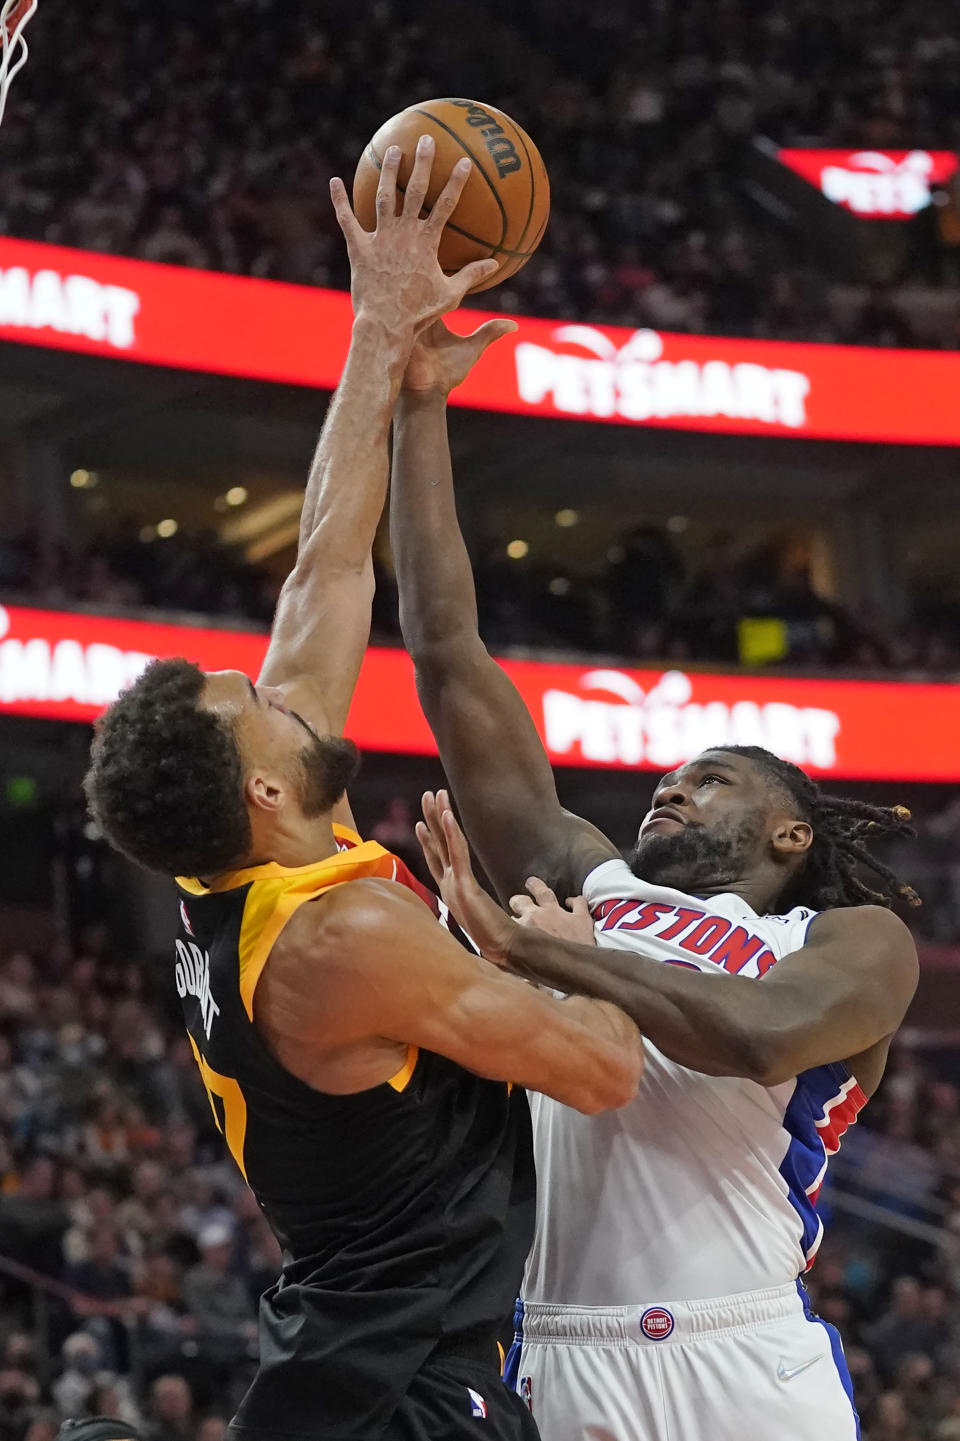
(755, 1367)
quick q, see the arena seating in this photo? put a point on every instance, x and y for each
(205, 137)
(647, 604)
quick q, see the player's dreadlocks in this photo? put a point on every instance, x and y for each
(829, 876)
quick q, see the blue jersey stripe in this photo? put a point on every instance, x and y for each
(511, 1366)
(806, 1153)
(836, 1348)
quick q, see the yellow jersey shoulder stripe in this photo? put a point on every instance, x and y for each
(402, 1079)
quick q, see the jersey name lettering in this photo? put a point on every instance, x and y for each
(696, 931)
(192, 975)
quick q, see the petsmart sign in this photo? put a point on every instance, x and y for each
(131, 310)
(875, 184)
(63, 666)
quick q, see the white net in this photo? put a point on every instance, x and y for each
(14, 15)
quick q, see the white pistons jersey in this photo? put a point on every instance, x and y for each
(702, 1186)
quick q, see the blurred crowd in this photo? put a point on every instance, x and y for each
(195, 574)
(893, 1288)
(118, 1192)
(205, 136)
(655, 602)
(649, 601)
(115, 1187)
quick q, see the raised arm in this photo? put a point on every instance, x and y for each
(498, 769)
(846, 990)
(322, 623)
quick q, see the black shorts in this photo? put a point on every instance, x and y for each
(453, 1398)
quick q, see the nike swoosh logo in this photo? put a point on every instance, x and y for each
(787, 1373)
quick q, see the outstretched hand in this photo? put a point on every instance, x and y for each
(448, 858)
(396, 277)
(441, 359)
(541, 911)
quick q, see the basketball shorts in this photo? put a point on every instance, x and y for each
(755, 1367)
(455, 1399)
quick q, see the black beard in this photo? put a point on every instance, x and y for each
(327, 766)
(695, 859)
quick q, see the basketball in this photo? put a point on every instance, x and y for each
(505, 205)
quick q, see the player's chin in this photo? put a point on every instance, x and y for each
(653, 848)
(666, 854)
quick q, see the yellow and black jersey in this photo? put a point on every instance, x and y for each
(405, 1211)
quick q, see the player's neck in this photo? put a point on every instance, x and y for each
(759, 892)
(300, 844)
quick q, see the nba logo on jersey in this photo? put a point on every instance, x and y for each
(656, 1323)
(185, 919)
(526, 1392)
(478, 1407)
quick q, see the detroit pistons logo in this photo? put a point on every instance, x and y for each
(656, 1323)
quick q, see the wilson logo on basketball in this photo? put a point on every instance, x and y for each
(500, 147)
(656, 1323)
(69, 305)
(666, 726)
(637, 383)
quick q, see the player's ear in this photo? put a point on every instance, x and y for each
(265, 791)
(792, 837)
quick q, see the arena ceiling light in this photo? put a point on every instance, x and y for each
(265, 528)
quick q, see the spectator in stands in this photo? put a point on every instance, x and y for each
(211, 1428)
(32, 1221)
(170, 1411)
(101, 1276)
(82, 1358)
(643, 576)
(95, 1208)
(134, 1213)
(44, 1425)
(891, 1421)
(19, 1393)
(903, 1330)
(206, 1207)
(104, 1294)
(219, 1302)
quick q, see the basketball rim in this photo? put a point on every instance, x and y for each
(14, 15)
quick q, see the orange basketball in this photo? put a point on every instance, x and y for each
(505, 205)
